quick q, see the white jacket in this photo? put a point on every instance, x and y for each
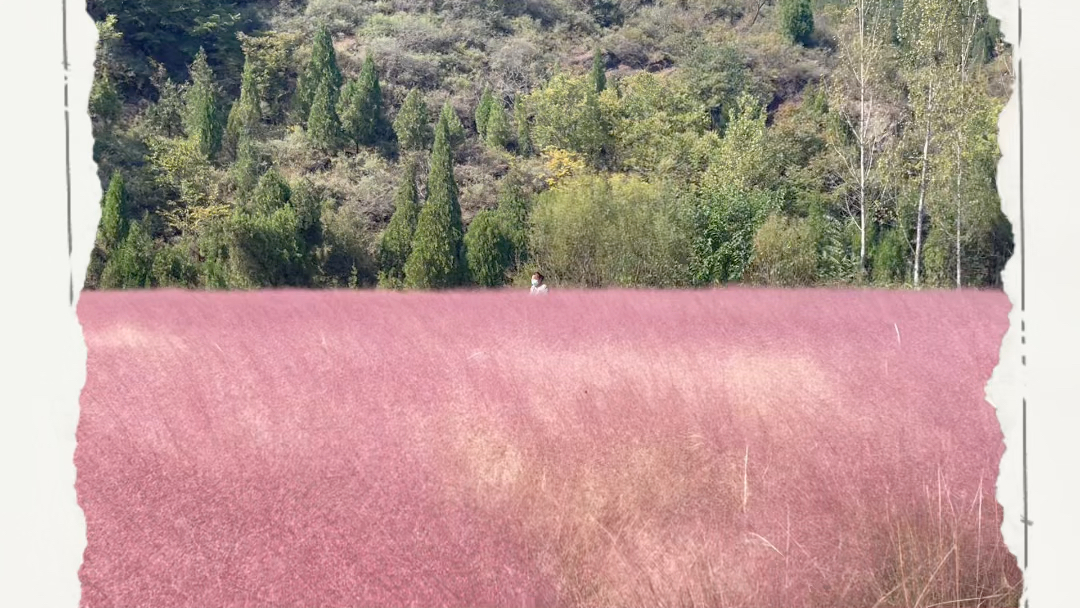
(538, 290)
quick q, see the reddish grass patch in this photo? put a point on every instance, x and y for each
(716, 448)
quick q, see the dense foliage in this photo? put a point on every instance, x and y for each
(664, 143)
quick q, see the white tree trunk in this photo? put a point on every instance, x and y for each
(923, 185)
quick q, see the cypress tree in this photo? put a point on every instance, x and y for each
(350, 111)
(453, 124)
(248, 165)
(437, 259)
(524, 130)
(323, 67)
(411, 125)
(246, 113)
(324, 128)
(131, 263)
(373, 124)
(498, 129)
(482, 110)
(113, 223)
(202, 116)
(395, 244)
(599, 75)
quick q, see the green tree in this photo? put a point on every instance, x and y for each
(202, 114)
(498, 128)
(377, 127)
(859, 137)
(726, 220)
(524, 129)
(784, 253)
(483, 108)
(264, 248)
(514, 208)
(599, 73)
(395, 243)
(246, 113)
(322, 68)
(362, 114)
(568, 116)
(744, 157)
(248, 166)
(595, 230)
(411, 125)
(437, 256)
(350, 111)
(272, 193)
(797, 20)
(105, 103)
(488, 249)
(305, 199)
(655, 124)
(453, 124)
(324, 127)
(166, 115)
(114, 207)
(174, 266)
(130, 265)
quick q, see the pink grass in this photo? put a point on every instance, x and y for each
(734, 448)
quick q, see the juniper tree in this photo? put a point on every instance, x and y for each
(453, 124)
(483, 108)
(323, 67)
(246, 113)
(524, 129)
(411, 125)
(375, 126)
(497, 128)
(437, 256)
(202, 116)
(350, 112)
(598, 75)
(113, 227)
(395, 244)
(324, 127)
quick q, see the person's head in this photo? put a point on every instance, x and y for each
(537, 279)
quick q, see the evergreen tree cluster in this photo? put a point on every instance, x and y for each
(703, 170)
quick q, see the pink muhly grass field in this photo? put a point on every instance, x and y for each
(727, 448)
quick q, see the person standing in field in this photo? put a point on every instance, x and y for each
(538, 286)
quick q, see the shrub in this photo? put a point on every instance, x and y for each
(797, 20)
(488, 249)
(597, 231)
(784, 253)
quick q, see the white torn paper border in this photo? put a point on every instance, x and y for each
(43, 532)
(1005, 388)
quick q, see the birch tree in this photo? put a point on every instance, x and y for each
(858, 89)
(926, 30)
(971, 14)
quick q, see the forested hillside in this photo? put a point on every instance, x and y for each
(431, 144)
